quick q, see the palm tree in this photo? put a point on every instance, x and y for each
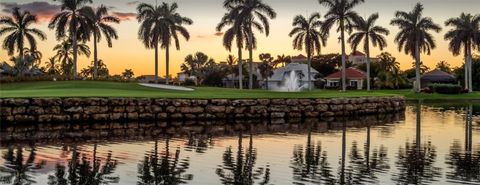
(18, 29)
(307, 32)
(282, 59)
(231, 62)
(466, 33)
(414, 36)
(340, 12)
(266, 67)
(72, 22)
(64, 52)
(174, 24)
(237, 32)
(52, 66)
(35, 54)
(151, 29)
(368, 32)
(246, 15)
(99, 23)
(128, 74)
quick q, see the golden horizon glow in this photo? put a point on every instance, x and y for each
(129, 53)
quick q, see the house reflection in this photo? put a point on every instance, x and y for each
(239, 168)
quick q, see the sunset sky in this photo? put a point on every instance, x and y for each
(129, 53)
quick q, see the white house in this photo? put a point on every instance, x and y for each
(279, 75)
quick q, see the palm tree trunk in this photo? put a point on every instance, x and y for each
(368, 62)
(240, 68)
(167, 59)
(367, 148)
(95, 58)
(465, 67)
(75, 51)
(156, 62)
(344, 146)
(417, 68)
(344, 80)
(470, 84)
(309, 61)
(250, 57)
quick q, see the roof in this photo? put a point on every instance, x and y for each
(357, 53)
(279, 74)
(299, 57)
(438, 75)
(350, 72)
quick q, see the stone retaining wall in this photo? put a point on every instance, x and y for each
(117, 109)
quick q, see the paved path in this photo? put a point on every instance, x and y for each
(169, 87)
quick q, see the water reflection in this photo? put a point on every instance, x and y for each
(17, 169)
(415, 161)
(311, 164)
(83, 170)
(165, 167)
(464, 163)
(239, 168)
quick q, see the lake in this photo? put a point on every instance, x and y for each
(429, 143)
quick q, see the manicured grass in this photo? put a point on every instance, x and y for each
(113, 89)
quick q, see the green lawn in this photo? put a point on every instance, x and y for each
(113, 89)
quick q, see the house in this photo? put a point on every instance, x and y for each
(149, 79)
(357, 58)
(232, 80)
(437, 76)
(355, 78)
(301, 70)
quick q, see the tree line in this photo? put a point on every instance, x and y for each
(160, 25)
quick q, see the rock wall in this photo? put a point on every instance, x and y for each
(45, 110)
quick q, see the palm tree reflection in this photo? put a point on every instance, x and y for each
(83, 170)
(311, 165)
(198, 144)
(163, 168)
(465, 164)
(242, 171)
(19, 171)
(415, 162)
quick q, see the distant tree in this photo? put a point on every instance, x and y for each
(266, 67)
(35, 54)
(128, 74)
(64, 52)
(444, 66)
(89, 71)
(386, 62)
(232, 62)
(52, 67)
(282, 59)
(22, 65)
(423, 67)
(414, 36)
(18, 29)
(193, 63)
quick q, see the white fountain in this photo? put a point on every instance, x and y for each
(291, 83)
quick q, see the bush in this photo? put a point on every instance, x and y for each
(189, 82)
(446, 88)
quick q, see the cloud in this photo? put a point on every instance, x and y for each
(131, 3)
(124, 16)
(43, 10)
(216, 34)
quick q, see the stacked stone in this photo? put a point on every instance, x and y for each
(116, 109)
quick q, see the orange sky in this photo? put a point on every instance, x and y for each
(129, 53)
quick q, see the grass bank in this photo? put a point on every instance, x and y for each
(114, 89)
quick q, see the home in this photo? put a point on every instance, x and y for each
(357, 58)
(354, 78)
(437, 76)
(299, 69)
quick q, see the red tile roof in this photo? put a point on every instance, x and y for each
(357, 53)
(351, 72)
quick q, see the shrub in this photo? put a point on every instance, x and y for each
(446, 88)
(189, 82)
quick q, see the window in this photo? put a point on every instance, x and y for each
(353, 83)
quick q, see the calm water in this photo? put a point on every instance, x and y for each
(441, 146)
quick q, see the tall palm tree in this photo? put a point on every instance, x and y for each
(247, 14)
(18, 29)
(64, 53)
(71, 22)
(414, 36)
(151, 29)
(99, 22)
(173, 25)
(466, 33)
(340, 12)
(307, 33)
(368, 32)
